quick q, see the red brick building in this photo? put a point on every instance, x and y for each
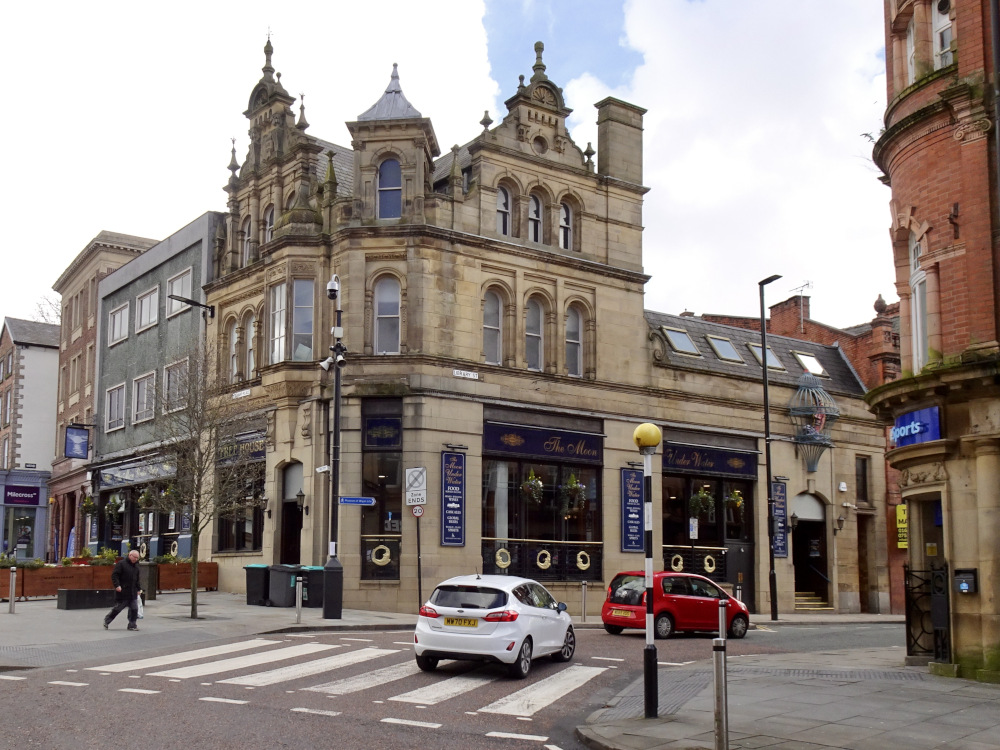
(938, 155)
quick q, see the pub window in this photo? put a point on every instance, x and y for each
(503, 212)
(277, 311)
(387, 314)
(241, 527)
(535, 218)
(492, 328)
(861, 480)
(574, 342)
(302, 320)
(390, 190)
(382, 479)
(533, 341)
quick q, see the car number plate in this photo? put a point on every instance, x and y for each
(465, 622)
(622, 613)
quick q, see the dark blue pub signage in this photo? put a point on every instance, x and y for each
(452, 499)
(689, 459)
(543, 443)
(633, 529)
(383, 432)
(77, 442)
(780, 519)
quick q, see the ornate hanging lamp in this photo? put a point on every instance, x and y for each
(813, 412)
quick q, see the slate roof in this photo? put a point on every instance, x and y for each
(392, 105)
(442, 167)
(343, 165)
(32, 332)
(841, 376)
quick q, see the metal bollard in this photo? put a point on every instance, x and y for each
(298, 600)
(583, 598)
(721, 691)
(10, 591)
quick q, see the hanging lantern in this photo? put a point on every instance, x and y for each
(813, 413)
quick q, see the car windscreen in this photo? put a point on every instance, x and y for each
(627, 589)
(468, 597)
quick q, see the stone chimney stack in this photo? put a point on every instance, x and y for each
(619, 140)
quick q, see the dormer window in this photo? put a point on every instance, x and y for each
(390, 190)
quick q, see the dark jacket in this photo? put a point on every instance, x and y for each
(126, 575)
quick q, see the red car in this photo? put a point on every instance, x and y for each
(681, 601)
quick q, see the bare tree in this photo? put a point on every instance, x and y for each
(203, 430)
(48, 310)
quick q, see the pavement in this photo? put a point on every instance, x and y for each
(852, 699)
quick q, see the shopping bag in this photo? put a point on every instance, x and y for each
(138, 602)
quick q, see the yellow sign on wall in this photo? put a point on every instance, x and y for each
(902, 530)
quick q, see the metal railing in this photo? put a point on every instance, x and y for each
(544, 560)
(706, 561)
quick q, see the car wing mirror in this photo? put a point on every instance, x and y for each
(561, 607)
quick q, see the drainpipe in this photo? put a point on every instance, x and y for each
(995, 34)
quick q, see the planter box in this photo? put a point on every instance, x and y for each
(175, 576)
(48, 581)
(5, 583)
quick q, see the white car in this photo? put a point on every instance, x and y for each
(502, 619)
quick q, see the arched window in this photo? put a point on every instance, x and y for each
(492, 331)
(390, 190)
(535, 219)
(503, 212)
(386, 316)
(574, 342)
(247, 237)
(565, 227)
(269, 223)
(234, 353)
(533, 335)
(918, 305)
(250, 334)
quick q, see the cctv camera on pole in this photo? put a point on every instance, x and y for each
(333, 571)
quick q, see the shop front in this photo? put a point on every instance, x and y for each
(708, 511)
(24, 522)
(542, 500)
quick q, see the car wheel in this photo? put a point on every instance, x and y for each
(738, 627)
(664, 625)
(427, 663)
(568, 647)
(522, 665)
(614, 629)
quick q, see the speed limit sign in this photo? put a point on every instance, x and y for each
(418, 510)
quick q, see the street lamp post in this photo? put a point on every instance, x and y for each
(772, 579)
(333, 571)
(647, 436)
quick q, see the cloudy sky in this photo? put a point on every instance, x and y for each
(755, 148)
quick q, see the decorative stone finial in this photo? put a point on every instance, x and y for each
(539, 66)
(268, 50)
(233, 164)
(302, 124)
(880, 305)
(487, 120)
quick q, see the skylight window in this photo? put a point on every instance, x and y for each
(773, 362)
(724, 349)
(810, 364)
(680, 342)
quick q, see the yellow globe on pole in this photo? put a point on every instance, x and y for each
(647, 436)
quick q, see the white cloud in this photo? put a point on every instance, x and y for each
(753, 145)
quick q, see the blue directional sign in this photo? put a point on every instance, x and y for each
(357, 501)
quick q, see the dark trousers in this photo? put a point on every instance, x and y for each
(133, 611)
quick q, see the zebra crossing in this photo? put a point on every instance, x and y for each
(386, 670)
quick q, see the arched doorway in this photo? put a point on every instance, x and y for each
(809, 549)
(291, 515)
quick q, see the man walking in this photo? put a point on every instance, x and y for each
(125, 579)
